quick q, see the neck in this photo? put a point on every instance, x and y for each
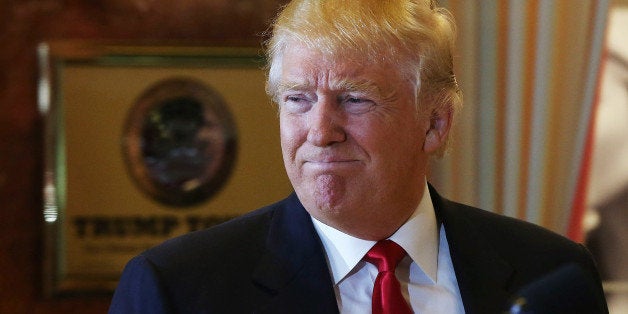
(374, 224)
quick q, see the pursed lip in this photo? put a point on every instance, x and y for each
(329, 163)
(328, 158)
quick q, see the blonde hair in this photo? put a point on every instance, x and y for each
(415, 35)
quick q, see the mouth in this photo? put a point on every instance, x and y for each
(326, 160)
(330, 164)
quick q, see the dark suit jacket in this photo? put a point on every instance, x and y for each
(272, 261)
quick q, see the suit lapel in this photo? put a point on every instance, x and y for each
(294, 270)
(482, 274)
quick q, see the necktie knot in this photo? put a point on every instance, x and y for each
(385, 255)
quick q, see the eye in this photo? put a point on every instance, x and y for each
(296, 103)
(294, 98)
(357, 104)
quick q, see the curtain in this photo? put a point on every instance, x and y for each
(528, 70)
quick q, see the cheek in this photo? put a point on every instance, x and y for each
(373, 134)
(290, 134)
(390, 141)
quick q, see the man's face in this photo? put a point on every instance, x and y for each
(352, 141)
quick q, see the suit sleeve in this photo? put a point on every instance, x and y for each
(139, 290)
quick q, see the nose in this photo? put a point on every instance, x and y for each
(325, 122)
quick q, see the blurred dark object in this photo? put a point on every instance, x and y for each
(567, 290)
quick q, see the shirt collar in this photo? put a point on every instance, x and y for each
(418, 236)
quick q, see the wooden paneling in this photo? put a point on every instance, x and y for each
(25, 23)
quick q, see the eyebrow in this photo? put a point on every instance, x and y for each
(286, 86)
(356, 86)
(338, 85)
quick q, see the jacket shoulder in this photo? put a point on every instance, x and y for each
(244, 233)
(509, 234)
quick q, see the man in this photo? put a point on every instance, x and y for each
(366, 94)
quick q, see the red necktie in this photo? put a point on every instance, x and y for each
(387, 297)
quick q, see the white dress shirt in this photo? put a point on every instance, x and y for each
(426, 275)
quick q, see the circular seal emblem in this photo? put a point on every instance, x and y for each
(179, 141)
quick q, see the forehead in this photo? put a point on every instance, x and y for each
(305, 67)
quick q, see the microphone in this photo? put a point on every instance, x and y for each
(566, 290)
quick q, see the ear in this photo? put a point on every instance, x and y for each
(436, 135)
